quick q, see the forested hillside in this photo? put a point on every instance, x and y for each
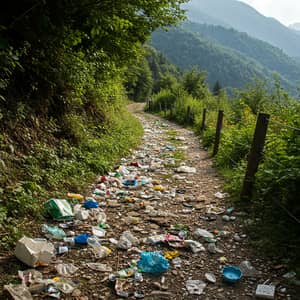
(63, 96)
(267, 55)
(244, 18)
(230, 67)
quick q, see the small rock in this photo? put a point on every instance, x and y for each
(76, 293)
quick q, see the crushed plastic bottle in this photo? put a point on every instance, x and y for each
(99, 250)
(247, 269)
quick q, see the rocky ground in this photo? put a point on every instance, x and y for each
(177, 193)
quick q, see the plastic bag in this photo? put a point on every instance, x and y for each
(153, 262)
(18, 291)
(53, 232)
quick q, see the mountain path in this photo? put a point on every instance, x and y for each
(170, 202)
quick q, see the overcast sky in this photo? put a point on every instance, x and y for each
(285, 11)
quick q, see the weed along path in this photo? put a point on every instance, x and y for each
(159, 228)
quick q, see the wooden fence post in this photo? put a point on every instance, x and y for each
(165, 109)
(171, 110)
(218, 132)
(203, 119)
(159, 106)
(255, 155)
(188, 115)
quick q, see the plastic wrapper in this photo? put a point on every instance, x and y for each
(153, 262)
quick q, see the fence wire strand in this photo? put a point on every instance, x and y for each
(284, 125)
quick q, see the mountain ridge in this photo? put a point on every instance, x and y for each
(245, 18)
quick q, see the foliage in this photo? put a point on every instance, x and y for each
(62, 95)
(277, 180)
(186, 47)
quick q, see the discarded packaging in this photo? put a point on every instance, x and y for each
(99, 267)
(18, 291)
(186, 169)
(34, 252)
(98, 232)
(153, 262)
(81, 239)
(75, 196)
(65, 285)
(66, 270)
(99, 250)
(247, 269)
(127, 240)
(265, 291)
(210, 277)
(195, 287)
(220, 195)
(30, 276)
(194, 245)
(53, 232)
(59, 209)
(231, 274)
(203, 233)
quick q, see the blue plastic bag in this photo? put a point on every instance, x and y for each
(90, 204)
(153, 262)
(81, 239)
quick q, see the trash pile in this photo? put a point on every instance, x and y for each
(146, 230)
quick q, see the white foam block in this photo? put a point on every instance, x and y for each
(265, 291)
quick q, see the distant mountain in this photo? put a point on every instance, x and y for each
(295, 26)
(244, 18)
(272, 58)
(230, 67)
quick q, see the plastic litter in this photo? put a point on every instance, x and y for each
(231, 274)
(75, 196)
(127, 240)
(177, 262)
(99, 250)
(18, 291)
(81, 239)
(195, 287)
(203, 233)
(53, 232)
(81, 213)
(195, 246)
(153, 262)
(220, 195)
(59, 209)
(65, 285)
(98, 232)
(265, 291)
(171, 254)
(89, 204)
(210, 277)
(186, 169)
(30, 276)
(99, 267)
(66, 270)
(34, 252)
(248, 270)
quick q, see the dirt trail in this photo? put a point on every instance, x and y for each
(171, 202)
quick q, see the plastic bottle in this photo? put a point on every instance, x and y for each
(100, 251)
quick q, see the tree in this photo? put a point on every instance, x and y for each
(217, 88)
(195, 84)
(47, 36)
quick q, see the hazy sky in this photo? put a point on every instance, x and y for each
(285, 11)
